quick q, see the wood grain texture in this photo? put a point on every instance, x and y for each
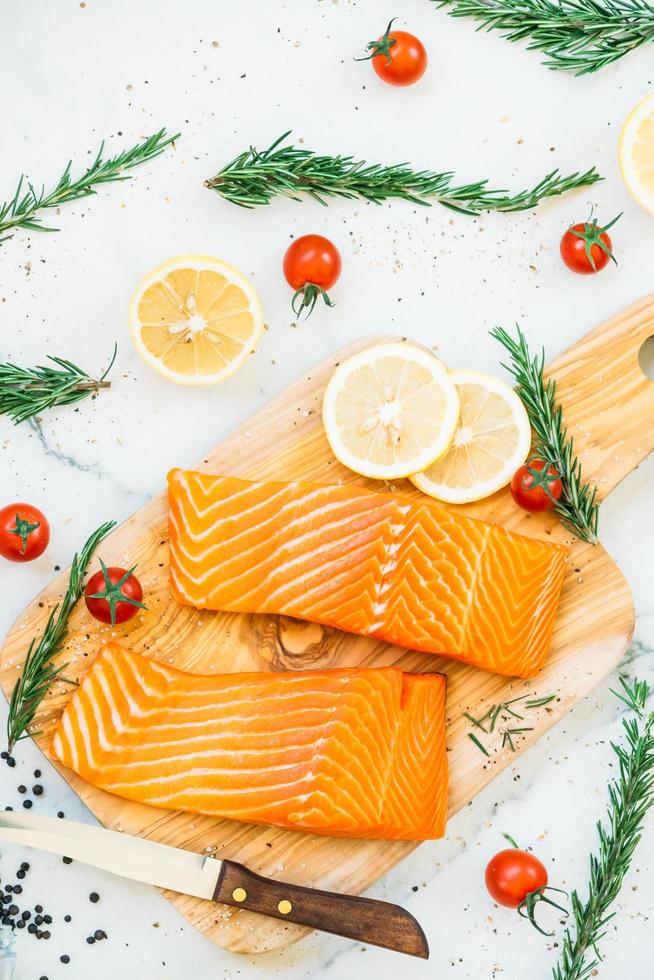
(609, 407)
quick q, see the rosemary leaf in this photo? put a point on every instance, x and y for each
(25, 392)
(578, 507)
(256, 177)
(22, 210)
(475, 721)
(540, 702)
(631, 795)
(482, 748)
(579, 36)
(39, 671)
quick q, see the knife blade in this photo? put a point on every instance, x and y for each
(364, 919)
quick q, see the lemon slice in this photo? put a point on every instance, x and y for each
(195, 319)
(492, 440)
(390, 410)
(636, 153)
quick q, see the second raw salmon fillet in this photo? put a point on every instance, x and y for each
(384, 565)
(350, 753)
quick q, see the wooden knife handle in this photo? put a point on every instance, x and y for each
(362, 919)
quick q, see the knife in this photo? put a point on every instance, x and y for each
(362, 919)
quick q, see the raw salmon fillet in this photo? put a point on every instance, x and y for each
(384, 565)
(350, 753)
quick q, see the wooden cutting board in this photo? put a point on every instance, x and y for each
(609, 408)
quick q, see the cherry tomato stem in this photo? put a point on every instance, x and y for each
(306, 298)
(382, 46)
(527, 908)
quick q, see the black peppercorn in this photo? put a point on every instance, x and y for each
(65, 958)
(27, 915)
(67, 860)
(32, 928)
(37, 789)
(90, 940)
(18, 889)
(27, 804)
(46, 934)
(38, 908)
(67, 918)
(25, 866)
(22, 789)
(20, 874)
(37, 773)
(12, 910)
(99, 934)
(39, 920)
(61, 814)
(47, 919)
(11, 762)
(94, 897)
(20, 924)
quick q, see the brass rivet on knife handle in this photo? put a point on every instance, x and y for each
(362, 919)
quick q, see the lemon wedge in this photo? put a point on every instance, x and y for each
(195, 319)
(390, 410)
(636, 153)
(492, 440)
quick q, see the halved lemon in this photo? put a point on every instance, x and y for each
(195, 319)
(390, 410)
(492, 440)
(636, 153)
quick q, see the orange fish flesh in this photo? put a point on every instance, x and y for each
(410, 572)
(349, 753)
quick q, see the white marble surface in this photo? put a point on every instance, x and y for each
(229, 74)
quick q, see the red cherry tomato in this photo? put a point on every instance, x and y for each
(24, 532)
(113, 595)
(512, 875)
(312, 264)
(534, 489)
(398, 57)
(586, 248)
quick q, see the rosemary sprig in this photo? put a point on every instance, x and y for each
(25, 392)
(578, 507)
(22, 210)
(631, 795)
(253, 178)
(39, 672)
(579, 36)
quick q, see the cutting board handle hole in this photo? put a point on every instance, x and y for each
(646, 358)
